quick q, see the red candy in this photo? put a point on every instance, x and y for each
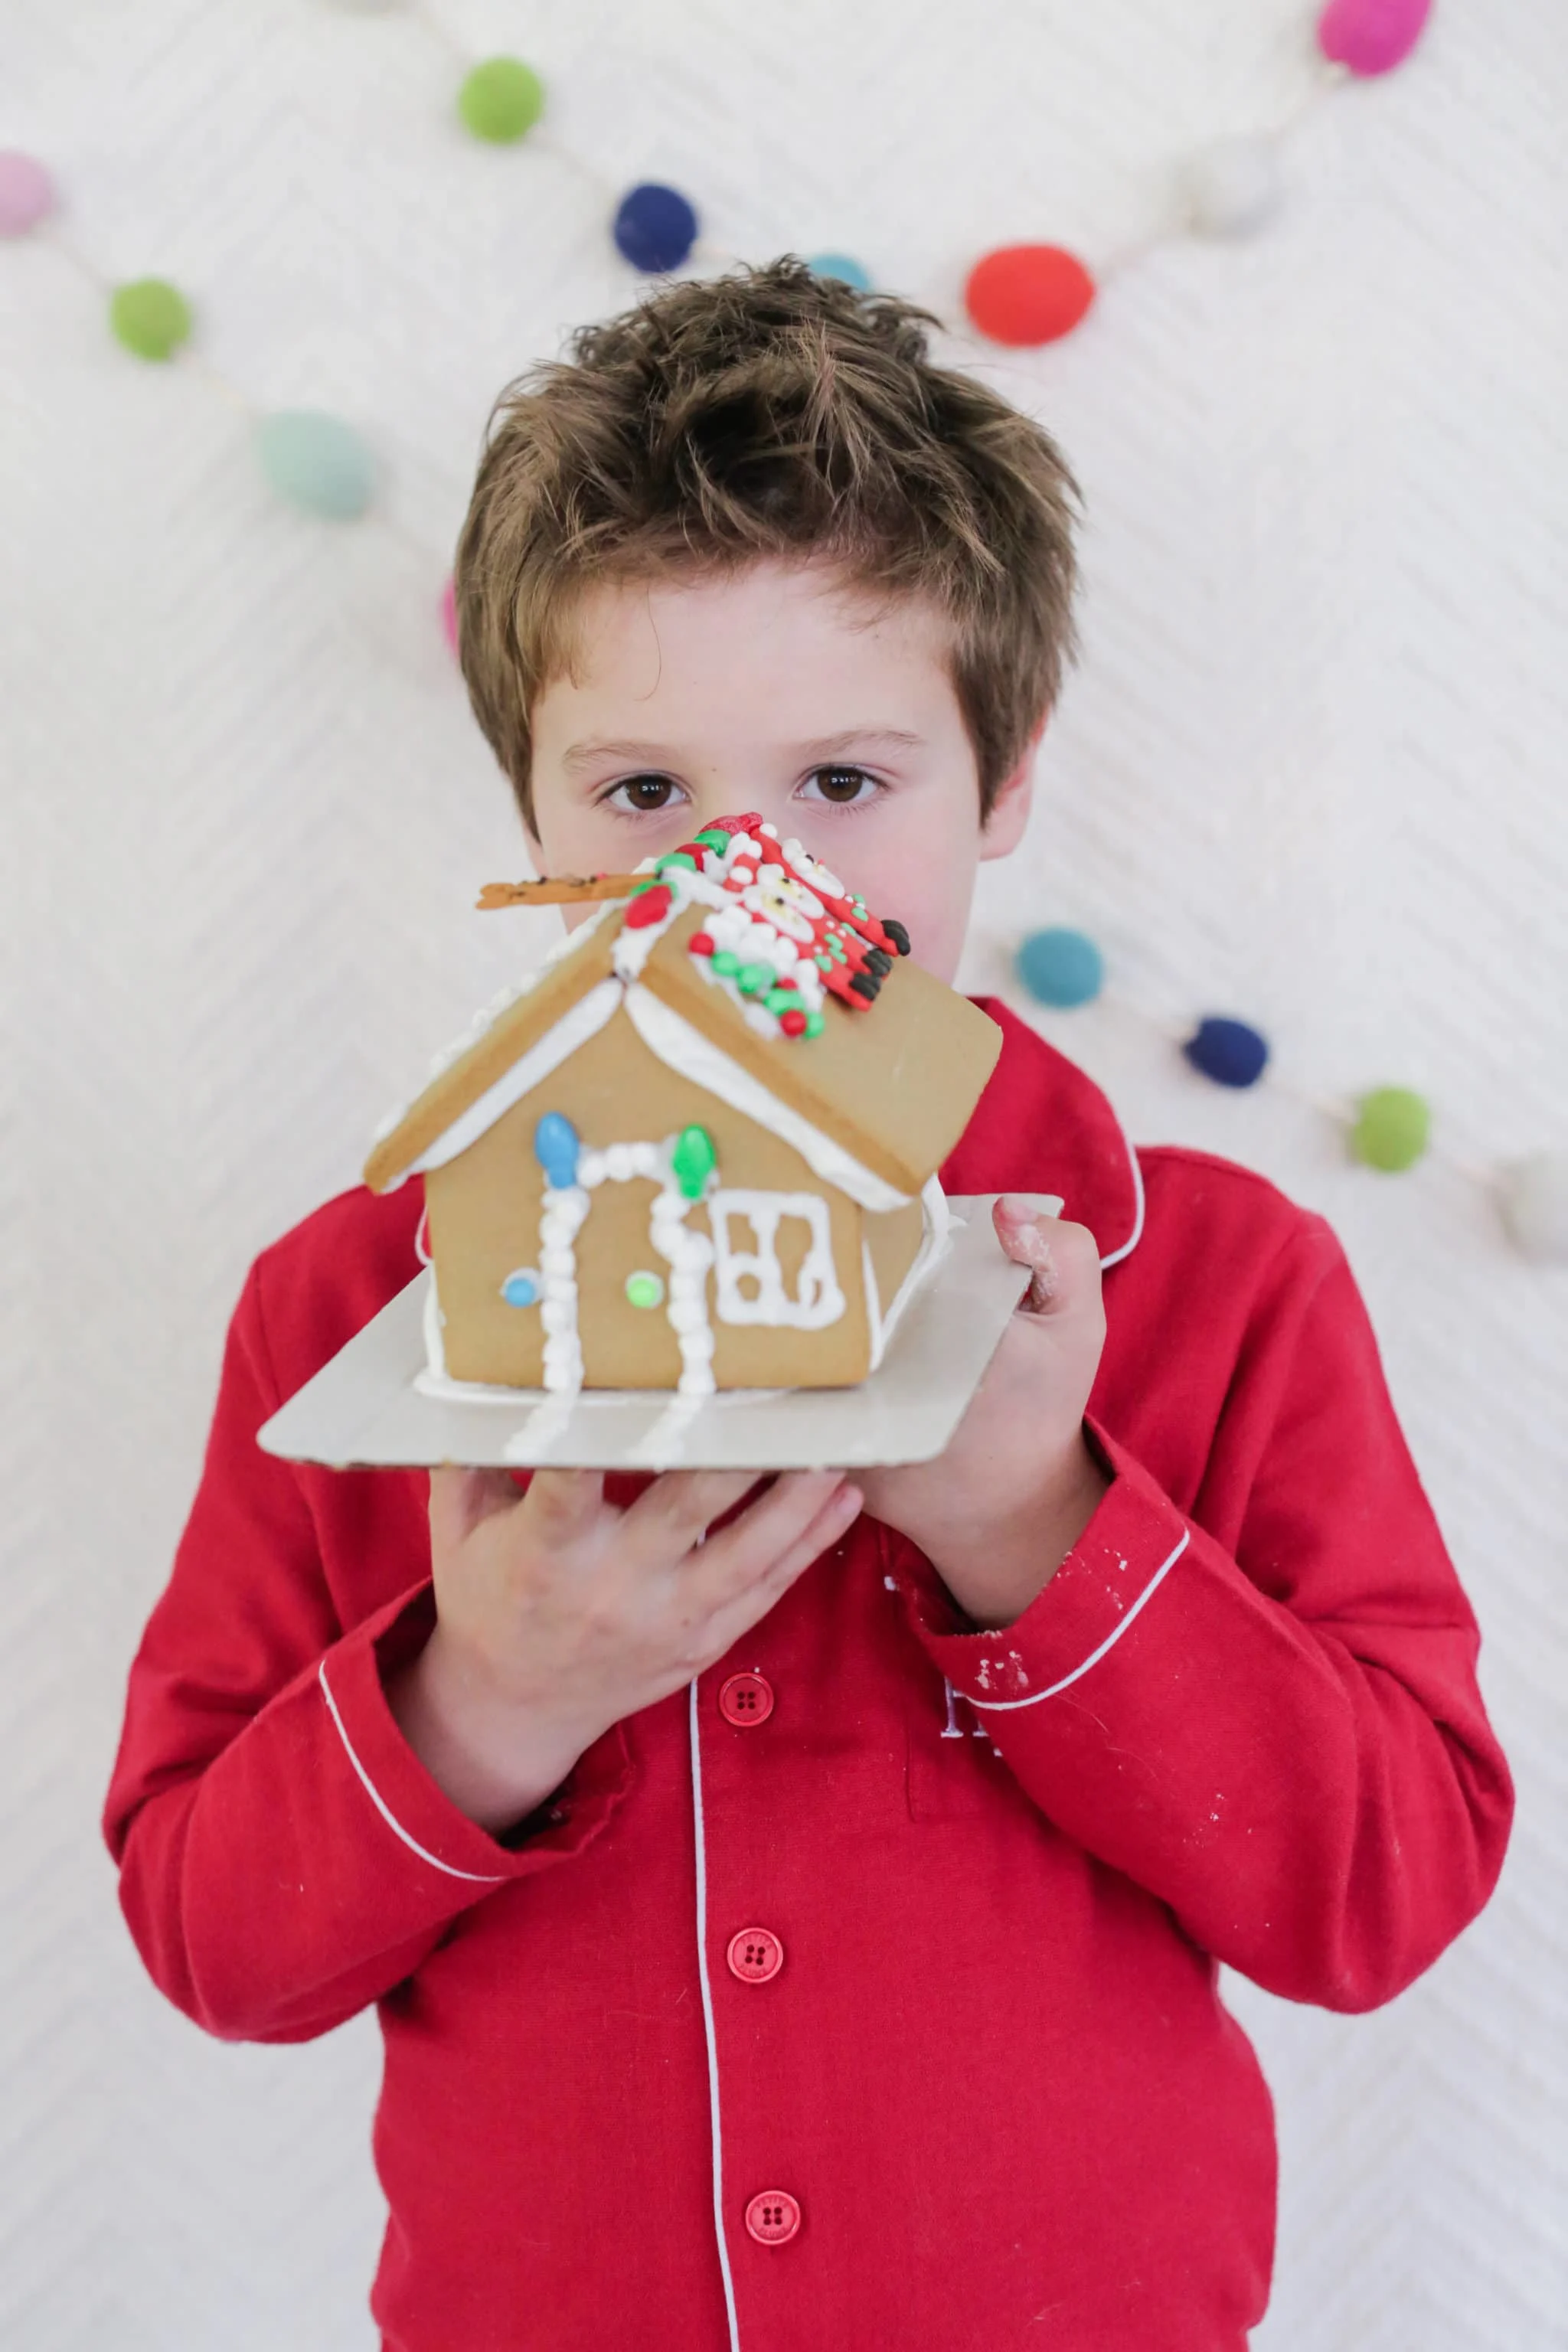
(700, 944)
(649, 906)
(793, 1023)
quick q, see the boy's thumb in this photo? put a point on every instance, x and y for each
(1050, 1249)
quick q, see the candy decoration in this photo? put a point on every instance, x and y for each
(1233, 187)
(644, 1289)
(522, 1287)
(1061, 967)
(450, 614)
(692, 1161)
(150, 317)
(1391, 1129)
(842, 267)
(316, 462)
(1027, 294)
(1535, 1206)
(27, 192)
(655, 227)
(648, 907)
(502, 99)
(1371, 36)
(555, 1147)
(1228, 1052)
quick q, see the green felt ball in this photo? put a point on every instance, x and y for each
(502, 99)
(150, 317)
(1390, 1129)
(316, 462)
(645, 1290)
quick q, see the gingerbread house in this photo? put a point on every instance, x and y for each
(698, 1148)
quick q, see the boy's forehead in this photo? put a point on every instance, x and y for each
(765, 639)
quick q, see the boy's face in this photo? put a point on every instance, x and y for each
(777, 689)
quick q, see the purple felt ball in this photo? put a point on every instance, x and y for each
(1371, 36)
(27, 192)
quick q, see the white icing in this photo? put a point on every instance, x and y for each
(683, 1048)
(817, 1299)
(577, 1025)
(561, 1218)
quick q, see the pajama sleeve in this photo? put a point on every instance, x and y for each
(285, 1858)
(1264, 1709)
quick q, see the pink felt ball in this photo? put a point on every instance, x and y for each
(1371, 36)
(27, 192)
(450, 614)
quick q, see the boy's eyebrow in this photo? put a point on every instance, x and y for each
(825, 747)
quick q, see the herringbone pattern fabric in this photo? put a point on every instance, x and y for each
(1310, 773)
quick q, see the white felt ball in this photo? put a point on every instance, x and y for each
(1233, 187)
(1535, 1205)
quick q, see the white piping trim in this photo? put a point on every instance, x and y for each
(1004, 1706)
(475, 1877)
(577, 1024)
(707, 2024)
(1127, 1247)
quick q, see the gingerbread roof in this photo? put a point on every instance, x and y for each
(813, 1018)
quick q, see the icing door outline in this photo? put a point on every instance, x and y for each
(816, 1299)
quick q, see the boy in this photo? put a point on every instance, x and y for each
(795, 1912)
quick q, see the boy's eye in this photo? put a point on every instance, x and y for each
(841, 786)
(647, 794)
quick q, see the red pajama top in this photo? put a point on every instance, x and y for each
(862, 1994)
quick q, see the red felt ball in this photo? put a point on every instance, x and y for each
(1028, 293)
(647, 907)
(793, 1023)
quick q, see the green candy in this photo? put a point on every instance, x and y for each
(500, 99)
(780, 1000)
(693, 1161)
(150, 317)
(815, 1023)
(645, 1290)
(752, 978)
(1391, 1129)
(675, 858)
(714, 839)
(726, 962)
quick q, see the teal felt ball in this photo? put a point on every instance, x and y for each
(502, 99)
(843, 267)
(316, 462)
(150, 317)
(1391, 1129)
(1061, 967)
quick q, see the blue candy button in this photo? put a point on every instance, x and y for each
(522, 1287)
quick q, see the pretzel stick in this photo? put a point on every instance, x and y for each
(558, 890)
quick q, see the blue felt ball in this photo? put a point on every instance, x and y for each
(1061, 967)
(521, 1288)
(842, 266)
(317, 462)
(655, 227)
(1228, 1052)
(555, 1148)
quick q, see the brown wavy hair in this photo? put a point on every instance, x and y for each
(768, 413)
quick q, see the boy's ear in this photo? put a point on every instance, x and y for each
(1003, 827)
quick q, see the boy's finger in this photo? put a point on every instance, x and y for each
(737, 1609)
(564, 1504)
(678, 1508)
(775, 1524)
(460, 1497)
(1063, 1259)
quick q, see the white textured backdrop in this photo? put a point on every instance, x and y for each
(1311, 772)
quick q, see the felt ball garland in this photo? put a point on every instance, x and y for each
(1025, 296)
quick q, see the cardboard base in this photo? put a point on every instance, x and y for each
(364, 1411)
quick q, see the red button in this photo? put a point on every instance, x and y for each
(772, 2217)
(746, 1698)
(755, 1955)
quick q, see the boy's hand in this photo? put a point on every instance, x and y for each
(557, 1614)
(998, 1512)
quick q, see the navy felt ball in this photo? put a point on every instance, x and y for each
(1228, 1052)
(1060, 967)
(655, 227)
